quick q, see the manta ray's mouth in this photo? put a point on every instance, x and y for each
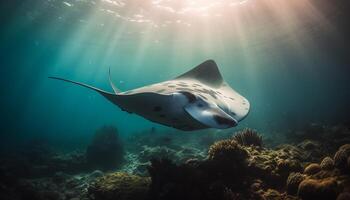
(225, 121)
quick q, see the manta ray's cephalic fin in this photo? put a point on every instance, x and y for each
(115, 89)
(110, 96)
(211, 116)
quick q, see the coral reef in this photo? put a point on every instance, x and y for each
(341, 157)
(293, 181)
(318, 189)
(170, 167)
(105, 151)
(326, 180)
(60, 186)
(311, 169)
(120, 186)
(327, 163)
(248, 137)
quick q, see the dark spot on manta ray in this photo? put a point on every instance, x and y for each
(171, 86)
(186, 89)
(157, 108)
(222, 120)
(232, 98)
(190, 97)
(182, 85)
(161, 90)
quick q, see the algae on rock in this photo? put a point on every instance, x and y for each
(121, 186)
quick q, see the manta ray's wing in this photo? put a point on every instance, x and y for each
(206, 72)
(110, 96)
(211, 116)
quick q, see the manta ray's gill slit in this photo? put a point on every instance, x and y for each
(190, 97)
(203, 96)
(182, 85)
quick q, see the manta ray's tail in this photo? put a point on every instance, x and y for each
(110, 96)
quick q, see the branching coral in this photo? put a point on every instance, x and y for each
(227, 149)
(248, 137)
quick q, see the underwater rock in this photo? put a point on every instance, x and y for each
(149, 153)
(327, 163)
(119, 186)
(284, 167)
(105, 151)
(312, 168)
(341, 157)
(309, 145)
(344, 196)
(312, 189)
(272, 194)
(293, 181)
(248, 137)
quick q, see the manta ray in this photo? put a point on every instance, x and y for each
(197, 99)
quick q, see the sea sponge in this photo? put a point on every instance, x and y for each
(327, 163)
(312, 189)
(341, 157)
(293, 181)
(120, 186)
(248, 137)
(312, 168)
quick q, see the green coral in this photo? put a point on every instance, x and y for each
(121, 186)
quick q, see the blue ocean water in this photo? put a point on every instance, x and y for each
(289, 59)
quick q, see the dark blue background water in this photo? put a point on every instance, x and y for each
(292, 74)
